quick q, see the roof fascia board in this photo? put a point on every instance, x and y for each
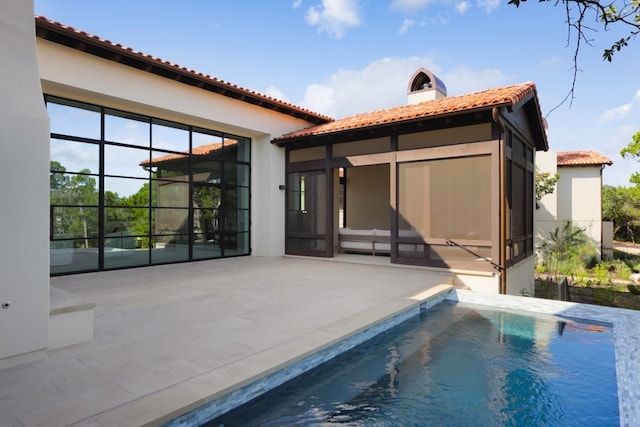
(68, 37)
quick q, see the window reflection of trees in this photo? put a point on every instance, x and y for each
(156, 190)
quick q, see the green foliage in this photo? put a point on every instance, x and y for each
(545, 184)
(632, 150)
(566, 251)
(75, 199)
(622, 206)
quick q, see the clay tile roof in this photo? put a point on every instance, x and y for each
(581, 158)
(499, 97)
(89, 43)
(201, 150)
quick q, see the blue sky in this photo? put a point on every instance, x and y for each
(342, 57)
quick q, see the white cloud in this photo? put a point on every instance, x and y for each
(383, 84)
(274, 92)
(488, 5)
(334, 16)
(615, 113)
(409, 5)
(407, 24)
(462, 7)
(637, 96)
(296, 4)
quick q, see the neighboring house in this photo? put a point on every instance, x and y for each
(152, 163)
(577, 196)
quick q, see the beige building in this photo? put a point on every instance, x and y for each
(577, 196)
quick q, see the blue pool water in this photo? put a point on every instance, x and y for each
(456, 365)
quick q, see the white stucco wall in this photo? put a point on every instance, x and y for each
(69, 73)
(24, 182)
(546, 214)
(580, 198)
(577, 198)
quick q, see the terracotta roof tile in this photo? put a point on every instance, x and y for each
(201, 150)
(503, 96)
(51, 25)
(581, 158)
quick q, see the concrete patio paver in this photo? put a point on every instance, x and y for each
(171, 337)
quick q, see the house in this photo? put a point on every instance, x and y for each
(577, 197)
(443, 182)
(152, 163)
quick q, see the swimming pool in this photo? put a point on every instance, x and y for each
(458, 364)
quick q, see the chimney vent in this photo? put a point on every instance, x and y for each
(425, 86)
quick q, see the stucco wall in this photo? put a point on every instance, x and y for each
(24, 191)
(69, 73)
(545, 215)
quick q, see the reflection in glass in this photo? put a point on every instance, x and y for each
(117, 257)
(168, 165)
(125, 161)
(205, 142)
(125, 222)
(206, 170)
(170, 221)
(158, 205)
(127, 191)
(74, 118)
(79, 222)
(177, 250)
(169, 136)
(206, 224)
(306, 202)
(236, 174)
(73, 189)
(244, 149)
(170, 193)
(73, 255)
(72, 156)
(126, 128)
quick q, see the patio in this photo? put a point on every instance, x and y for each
(172, 337)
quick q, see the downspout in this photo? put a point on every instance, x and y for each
(502, 249)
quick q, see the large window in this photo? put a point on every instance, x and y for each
(131, 190)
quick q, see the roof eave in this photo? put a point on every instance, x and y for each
(68, 37)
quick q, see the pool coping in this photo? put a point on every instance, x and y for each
(626, 330)
(626, 342)
(301, 364)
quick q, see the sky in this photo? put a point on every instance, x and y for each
(344, 57)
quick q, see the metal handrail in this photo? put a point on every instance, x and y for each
(493, 264)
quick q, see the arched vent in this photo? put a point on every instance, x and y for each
(425, 86)
(420, 82)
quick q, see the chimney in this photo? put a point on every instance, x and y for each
(425, 86)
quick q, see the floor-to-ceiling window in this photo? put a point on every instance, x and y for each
(131, 190)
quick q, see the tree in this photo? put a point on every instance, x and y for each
(70, 195)
(565, 248)
(632, 150)
(581, 13)
(545, 184)
(622, 206)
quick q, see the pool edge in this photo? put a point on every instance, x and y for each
(626, 330)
